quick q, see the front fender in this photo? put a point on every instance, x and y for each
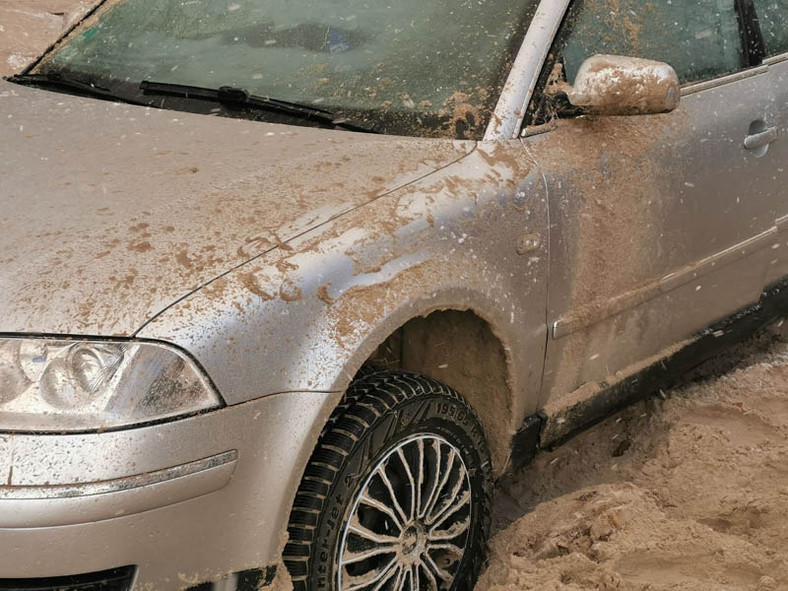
(306, 316)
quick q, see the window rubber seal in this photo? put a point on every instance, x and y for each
(750, 31)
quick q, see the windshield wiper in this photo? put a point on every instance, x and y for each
(58, 81)
(238, 97)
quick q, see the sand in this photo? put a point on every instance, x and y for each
(687, 490)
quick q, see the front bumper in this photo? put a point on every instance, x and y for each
(186, 503)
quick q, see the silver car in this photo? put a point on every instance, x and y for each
(285, 286)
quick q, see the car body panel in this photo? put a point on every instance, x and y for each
(778, 151)
(660, 225)
(180, 541)
(102, 231)
(52, 505)
(307, 317)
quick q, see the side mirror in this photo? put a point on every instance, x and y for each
(617, 85)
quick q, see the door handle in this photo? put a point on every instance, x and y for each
(758, 140)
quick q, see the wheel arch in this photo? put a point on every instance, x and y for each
(460, 347)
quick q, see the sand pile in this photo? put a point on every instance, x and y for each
(688, 491)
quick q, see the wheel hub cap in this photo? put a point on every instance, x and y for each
(412, 541)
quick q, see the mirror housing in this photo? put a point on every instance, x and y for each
(618, 85)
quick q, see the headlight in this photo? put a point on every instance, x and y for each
(60, 385)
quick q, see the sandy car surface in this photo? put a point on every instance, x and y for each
(688, 490)
(29, 26)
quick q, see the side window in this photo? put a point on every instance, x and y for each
(699, 38)
(773, 18)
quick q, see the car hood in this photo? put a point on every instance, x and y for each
(109, 213)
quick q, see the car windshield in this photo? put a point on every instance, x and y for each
(429, 68)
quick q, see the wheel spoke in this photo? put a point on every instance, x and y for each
(384, 477)
(448, 547)
(366, 533)
(414, 577)
(430, 563)
(371, 577)
(413, 506)
(420, 474)
(451, 508)
(452, 500)
(375, 504)
(351, 557)
(400, 580)
(431, 580)
(455, 529)
(444, 480)
(423, 510)
(396, 569)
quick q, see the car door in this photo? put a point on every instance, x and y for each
(772, 16)
(661, 224)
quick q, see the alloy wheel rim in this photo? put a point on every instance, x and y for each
(408, 528)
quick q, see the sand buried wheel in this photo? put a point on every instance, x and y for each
(397, 494)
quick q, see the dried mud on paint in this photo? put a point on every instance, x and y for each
(612, 174)
(689, 492)
(27, 27)
(620, 185)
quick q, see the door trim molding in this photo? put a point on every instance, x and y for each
(560, 419)
(696, 87)
(600, 310)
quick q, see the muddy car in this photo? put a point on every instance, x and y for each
(287, 285)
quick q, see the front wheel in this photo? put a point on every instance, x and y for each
(396, 494)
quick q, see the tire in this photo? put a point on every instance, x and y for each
(390, 423)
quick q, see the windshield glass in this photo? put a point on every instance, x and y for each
(412, 67)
